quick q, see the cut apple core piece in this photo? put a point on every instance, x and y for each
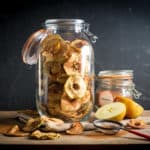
(113, 111)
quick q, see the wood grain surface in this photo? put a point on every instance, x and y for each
(87, 138)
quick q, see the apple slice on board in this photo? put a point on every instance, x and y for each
(115, 111)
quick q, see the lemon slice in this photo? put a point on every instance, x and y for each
(113, 111)
(133, 109)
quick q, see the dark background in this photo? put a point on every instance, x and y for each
(123, 28)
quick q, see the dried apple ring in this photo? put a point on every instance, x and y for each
(68, 105)
(54, 48)
(73, 65)
(78, 44)
(55, 71)
(136, 123)
(75, 87)
(52, 43)
(75, 129)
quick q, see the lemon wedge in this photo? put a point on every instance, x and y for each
(115, 111)
(133, 109)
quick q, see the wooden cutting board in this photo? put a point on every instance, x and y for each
(89, 137)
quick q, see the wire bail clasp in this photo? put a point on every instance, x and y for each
(92, 37)
(136, 93)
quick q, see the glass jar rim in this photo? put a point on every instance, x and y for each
(116, 74)
(62, 22)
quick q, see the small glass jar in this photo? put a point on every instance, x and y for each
(112, 83)
(64, 56)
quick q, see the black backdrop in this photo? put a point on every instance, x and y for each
(123, 28)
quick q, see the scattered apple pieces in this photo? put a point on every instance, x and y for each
(37, 134)
(15, 131)
(32, 124)
(76, 129)
(136, 124)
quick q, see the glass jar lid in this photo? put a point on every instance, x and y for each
(116, 74)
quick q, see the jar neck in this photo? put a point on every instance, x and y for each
(76, 25)
(69, 25)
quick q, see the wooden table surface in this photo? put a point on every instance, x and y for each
(87, 138)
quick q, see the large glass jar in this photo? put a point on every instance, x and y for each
(65, 68)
